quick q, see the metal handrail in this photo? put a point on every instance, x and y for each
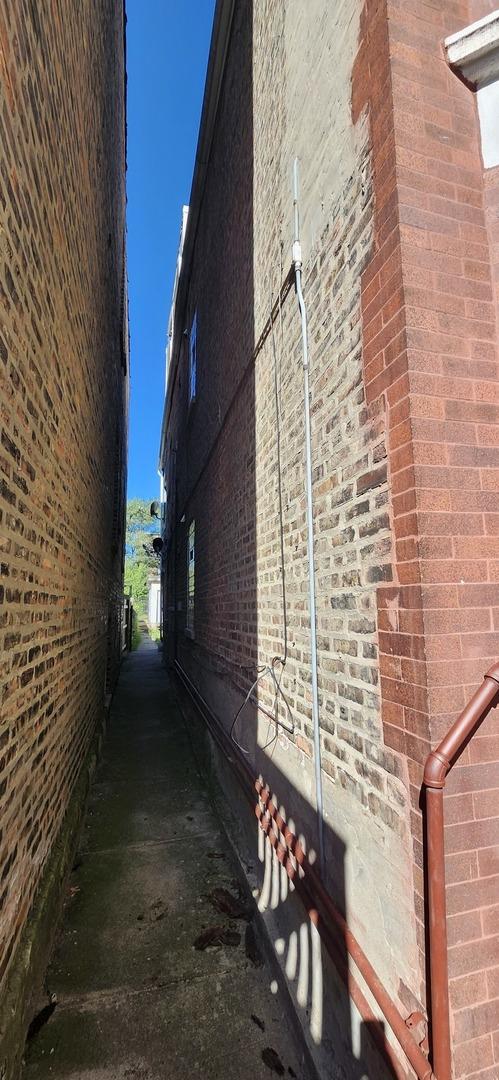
(437, 767)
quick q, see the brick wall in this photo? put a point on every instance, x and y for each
(63, 400)
(430, 334)
(398, 246)
(198, 467)
(491, 203)
(223, 468)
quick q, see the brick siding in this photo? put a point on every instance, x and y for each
(491, 197)
(398, 226)
(223, 470)
(63, 400)
(430, 334)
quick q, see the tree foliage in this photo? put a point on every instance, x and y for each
(140, 529)
(140, 559)
(136, 575)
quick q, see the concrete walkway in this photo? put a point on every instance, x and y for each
(141, 991)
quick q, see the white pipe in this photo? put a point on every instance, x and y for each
(297, 263)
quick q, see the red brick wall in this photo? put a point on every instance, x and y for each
(479, 8)
(430, 347)
(63, 396)
(491, 196)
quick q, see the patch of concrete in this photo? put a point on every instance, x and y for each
(202, 1028)
(136, 916)
(153, 972)
(131, 813)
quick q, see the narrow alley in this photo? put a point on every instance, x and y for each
(154, 978)
(249, 540)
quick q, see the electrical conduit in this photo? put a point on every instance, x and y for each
(297, 265)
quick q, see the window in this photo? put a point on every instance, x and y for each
(193, 357)
(191, 561)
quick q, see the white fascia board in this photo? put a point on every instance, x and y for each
(474, 51)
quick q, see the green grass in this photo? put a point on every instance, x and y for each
(136, 634)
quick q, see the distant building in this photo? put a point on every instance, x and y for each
(169, 354)
(154, 602)
(397, 195)
(63, 402)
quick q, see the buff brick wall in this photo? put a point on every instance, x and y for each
(294, 65)
(63, 401)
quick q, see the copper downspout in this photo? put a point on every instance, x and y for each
(312, 892)
(438, 765)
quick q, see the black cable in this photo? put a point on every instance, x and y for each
(269, 670)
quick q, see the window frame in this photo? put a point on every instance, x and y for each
(191, 578)
(193, 358)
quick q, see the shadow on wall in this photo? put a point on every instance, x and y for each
(346, 1046)
(343, 1045)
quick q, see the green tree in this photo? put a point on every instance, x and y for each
(140, 530)
(140, 559)
(136, 575)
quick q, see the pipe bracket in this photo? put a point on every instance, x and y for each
(418, 1024)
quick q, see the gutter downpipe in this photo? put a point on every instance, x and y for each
(297, 265)
(437, 767)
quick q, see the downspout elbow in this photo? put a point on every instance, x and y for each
(438, 762)
(493, 673)
(435, 770)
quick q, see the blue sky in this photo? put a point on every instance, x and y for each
(167, 53)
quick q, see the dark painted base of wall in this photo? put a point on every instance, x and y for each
(28, 969)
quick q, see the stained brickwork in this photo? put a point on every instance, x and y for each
(399, 237)
(63, 405)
